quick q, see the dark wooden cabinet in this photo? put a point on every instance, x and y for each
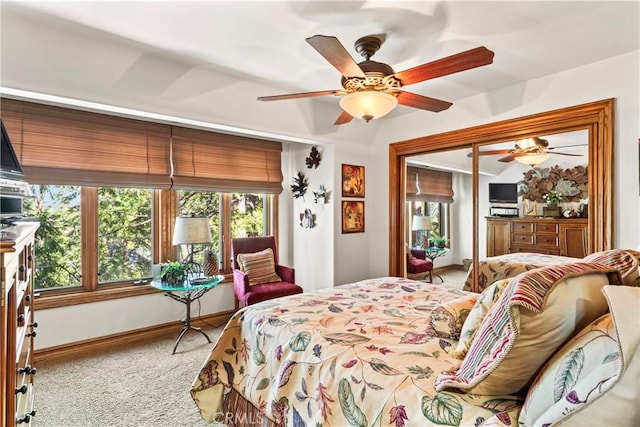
(551, 236)
(17, 265)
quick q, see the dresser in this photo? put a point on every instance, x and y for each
(551, 236)
(17, 265)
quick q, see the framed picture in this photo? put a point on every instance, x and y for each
(352, 216)
(352, 181)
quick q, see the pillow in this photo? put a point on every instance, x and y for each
(532, 318)
(626, 261)
(408, 250)
(446, 320)
(595, 364)
(259, 266)
(482, 305)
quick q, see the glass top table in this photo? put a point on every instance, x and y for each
(187, 292)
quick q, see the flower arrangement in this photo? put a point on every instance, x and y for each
(552, 198)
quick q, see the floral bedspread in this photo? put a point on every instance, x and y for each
(499, 267)
(360, 354)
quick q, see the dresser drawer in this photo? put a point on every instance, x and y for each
(522, 227)
(547, 239)
(546, 227)
(522, 239)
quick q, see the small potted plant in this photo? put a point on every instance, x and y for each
(552, 198)
(172, 273)
(439, 241)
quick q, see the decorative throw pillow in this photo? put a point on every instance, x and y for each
(408, 250)
(626, 261)
(446, 320)
(259, 266)
(482, 305)
(600, 362)
(537, 312)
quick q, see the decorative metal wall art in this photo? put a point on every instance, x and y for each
(321, 196)
(314, 158)
(307, 219)
(299, 186)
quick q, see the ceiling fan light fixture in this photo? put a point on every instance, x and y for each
(368, 104)
(532, 159)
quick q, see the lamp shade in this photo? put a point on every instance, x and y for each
(191, 230)
(368, 104)
(421, 222)
(532, 159)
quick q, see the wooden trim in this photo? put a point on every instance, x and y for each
(597, 117)
(67, 297)
(116, 341)
(89, 235)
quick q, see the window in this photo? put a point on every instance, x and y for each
(243, 214)
(124, 234)
(439, 219)
(58, 238)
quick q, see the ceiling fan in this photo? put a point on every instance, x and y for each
(372, 89)
(530, 151)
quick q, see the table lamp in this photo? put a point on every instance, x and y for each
(191, 230)
(421, 223)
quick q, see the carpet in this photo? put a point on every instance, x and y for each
(144, 385)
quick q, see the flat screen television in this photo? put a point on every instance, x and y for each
(9, 165)
(503, 193)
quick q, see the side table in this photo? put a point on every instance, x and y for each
(186, 293)
(432, 253)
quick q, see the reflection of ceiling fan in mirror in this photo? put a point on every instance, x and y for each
(530, 151)
(372, 89)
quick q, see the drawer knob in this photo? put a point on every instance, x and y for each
(22, 389)
(31, 334)
(27, 298)
(22, 268)
(20, 318)
(33, 325)
(26, 417)
(28, 370)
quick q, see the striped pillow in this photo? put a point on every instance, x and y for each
(532, 318)
(259, 266)
(626, 261)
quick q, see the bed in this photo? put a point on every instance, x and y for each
(358, 354)
(384, 352)
(499, 267)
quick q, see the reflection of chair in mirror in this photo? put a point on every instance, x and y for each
(257, 276)
(418, 266)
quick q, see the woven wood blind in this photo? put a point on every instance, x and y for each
(219, 162)
(58, 145)
(435, 186)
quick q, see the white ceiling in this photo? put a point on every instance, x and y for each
(209, 60)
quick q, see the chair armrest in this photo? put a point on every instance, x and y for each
(287, 274)
(417, 253)
(240, 282)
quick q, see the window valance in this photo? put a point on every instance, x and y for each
(434, 186)
(58, 145)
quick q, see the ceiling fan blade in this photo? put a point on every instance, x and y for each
(567, 146)
(344, 118)
(508, 158)
(299, 95)
(334, 52)
(451, 64)
(423, 102)
(566, 154)
(489, 152)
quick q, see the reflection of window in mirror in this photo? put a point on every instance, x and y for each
(439, 185)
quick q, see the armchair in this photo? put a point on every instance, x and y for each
(247, 293)
(418, 266)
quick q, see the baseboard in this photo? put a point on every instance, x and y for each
(449, 267)
(114, 341)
